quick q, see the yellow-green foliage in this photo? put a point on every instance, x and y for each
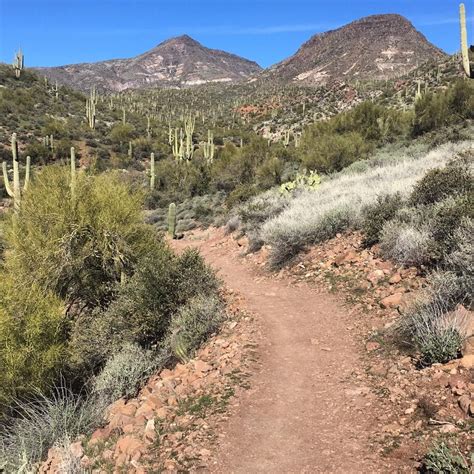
(32, 336)
(79, 248)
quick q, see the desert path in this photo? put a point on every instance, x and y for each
(304, 412)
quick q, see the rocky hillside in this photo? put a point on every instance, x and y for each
(177, 62)
(374, 47)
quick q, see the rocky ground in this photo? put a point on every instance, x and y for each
(182, 419)
(419, 405)
(172, 424)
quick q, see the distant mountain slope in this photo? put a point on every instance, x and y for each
(374, 47)
(177, 62)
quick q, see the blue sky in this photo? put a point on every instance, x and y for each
(59, 32)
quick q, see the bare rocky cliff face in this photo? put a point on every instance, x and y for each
(374, 47)
(177, 62)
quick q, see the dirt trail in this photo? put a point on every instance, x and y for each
(304, 413)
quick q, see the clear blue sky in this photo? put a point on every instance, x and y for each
(55, 32)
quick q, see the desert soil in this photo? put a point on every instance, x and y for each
(306, 411)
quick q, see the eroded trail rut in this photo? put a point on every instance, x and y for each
(304, 413)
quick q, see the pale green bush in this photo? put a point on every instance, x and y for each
(125, 372)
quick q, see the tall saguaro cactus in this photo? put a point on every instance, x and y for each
(464, 45)
(152, 171)
(19, 63)
(209, 148)
(16, 191)
(90, 108)
(172, 220)
(73, 173)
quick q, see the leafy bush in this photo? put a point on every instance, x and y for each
(78, 248)
(193, 323)
(375, 215)
(448, 216)
(442, 459)
(144, 306)
(39, 425)
(334, 152)
(438, 184)
(33, 332)
(126, 370)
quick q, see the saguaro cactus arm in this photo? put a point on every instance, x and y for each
(464, 46)
(6, 180)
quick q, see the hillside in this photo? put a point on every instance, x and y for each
(177, 62)
(374, 47)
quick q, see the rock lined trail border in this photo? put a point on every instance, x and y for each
(306, 412)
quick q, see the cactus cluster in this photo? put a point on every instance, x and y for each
(15, 191)
(90, 108)
(465, 49)
(209, 148)
(18, 63)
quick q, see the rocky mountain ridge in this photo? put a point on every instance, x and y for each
(375, 47)
(177, 62)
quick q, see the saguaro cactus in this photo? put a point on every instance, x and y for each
(16, 191)
(19, 63)
(172, 220)
(90, 108)
(73, 173)
(152, 171)
(189, 124)
(209, 147)
(464, 45)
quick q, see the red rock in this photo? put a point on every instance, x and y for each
(392, 301)
(375, 276)
(202, 366)
(119, 421)
(395, 279)
(100, 435)
(128, 445)
(372, 346)
(464, 403)
(467, 362)
(128, 410)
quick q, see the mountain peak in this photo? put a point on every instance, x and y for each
(182, 39)
(374, 47)
(177, 62)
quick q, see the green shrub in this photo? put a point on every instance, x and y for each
(375, 215)
(439, 346)
(334, 152)
(438, 184)
(433, 323)
(33, 332)
(442, 459)
(81, 248)
(193, 324)
(241, 193)
(447, 218)
(144, 306)
(126, 371)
